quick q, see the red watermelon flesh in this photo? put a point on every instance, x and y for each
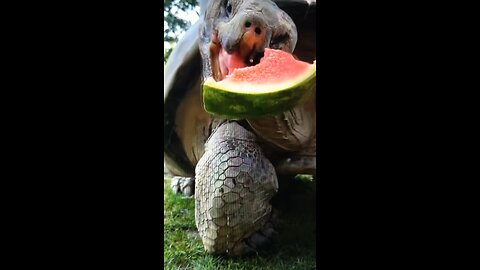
(276, 66)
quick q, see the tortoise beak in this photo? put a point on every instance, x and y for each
(214, 49)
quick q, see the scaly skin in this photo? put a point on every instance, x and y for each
(234, 184)
(183, 185)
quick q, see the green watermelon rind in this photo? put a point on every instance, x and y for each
(254, 103)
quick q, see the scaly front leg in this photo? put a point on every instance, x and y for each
(234, 184)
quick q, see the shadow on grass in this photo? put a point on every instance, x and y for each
(292, 248)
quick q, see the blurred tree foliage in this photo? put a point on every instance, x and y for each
(173, 22)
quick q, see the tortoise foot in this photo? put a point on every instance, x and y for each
(183, 185)
(251, 245)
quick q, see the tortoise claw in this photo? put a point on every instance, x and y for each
(242, 249)
(268, 230)
(259, 240)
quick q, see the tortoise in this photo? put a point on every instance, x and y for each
(232, 166)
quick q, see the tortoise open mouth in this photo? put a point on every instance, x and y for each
(229, 62)
(224, 63)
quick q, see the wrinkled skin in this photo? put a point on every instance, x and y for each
(237, 162)
(226, 27)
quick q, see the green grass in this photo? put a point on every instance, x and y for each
(292, 248)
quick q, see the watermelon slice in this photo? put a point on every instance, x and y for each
(276, 84)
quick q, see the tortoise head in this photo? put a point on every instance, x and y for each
(235, 34)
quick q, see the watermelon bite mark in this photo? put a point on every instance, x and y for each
(267, 71)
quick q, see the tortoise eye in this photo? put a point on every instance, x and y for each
(229, 9)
